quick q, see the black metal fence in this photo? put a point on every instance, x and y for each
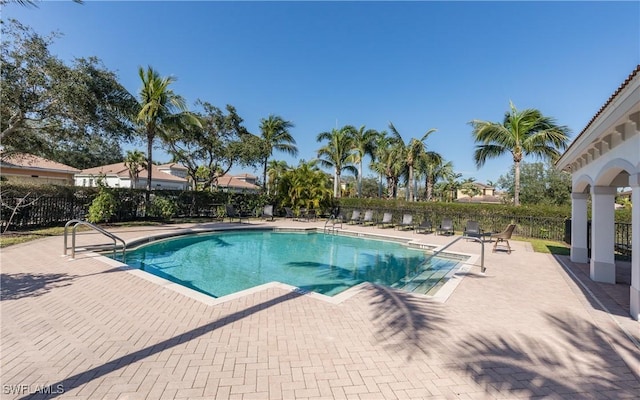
(46, 210)
(526, 226)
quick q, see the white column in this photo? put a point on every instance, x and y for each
(603, 267)
(579, 252)
(634, 182)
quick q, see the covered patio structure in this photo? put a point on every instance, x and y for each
(604, 157)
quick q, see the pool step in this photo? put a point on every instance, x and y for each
(423, 281)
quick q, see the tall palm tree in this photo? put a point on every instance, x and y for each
(364, 141)
(160, 107)
(521, 133)
(134, 161)
(276, 136)
(337, 154)
(413, 150)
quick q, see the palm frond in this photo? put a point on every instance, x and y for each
(485, 151)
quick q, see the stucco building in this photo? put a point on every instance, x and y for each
(604, 157)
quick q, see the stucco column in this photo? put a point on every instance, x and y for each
(579, 252)
(634, 182)
(603, 267)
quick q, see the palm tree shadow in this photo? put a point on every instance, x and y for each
(18, 286)
(576, 359)
(99, 371)
(404, 321)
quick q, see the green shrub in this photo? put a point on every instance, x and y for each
(103, 207)
(162, 207)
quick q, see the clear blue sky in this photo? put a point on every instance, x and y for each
(420, 65)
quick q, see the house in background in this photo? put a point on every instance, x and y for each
(487, 194)
(243, 183)
(27, 168)
(117, 175)
(174, 169)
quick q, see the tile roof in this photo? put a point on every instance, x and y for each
(30, 161)
(174, 166)
(121, 170)
(233, 182)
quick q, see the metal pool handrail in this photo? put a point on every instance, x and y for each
(435, 253)
(77, 222)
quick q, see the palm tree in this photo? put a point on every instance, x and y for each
(389, 159)
(431, 164)
(134, 161)
(160, 108)
(413, 150)
(276, 136)
(337, 154)
(275, 170)
(521, 133)
(364, 141)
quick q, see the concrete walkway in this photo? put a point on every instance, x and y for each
(528, 328)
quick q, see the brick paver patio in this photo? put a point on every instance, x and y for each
(528, 328)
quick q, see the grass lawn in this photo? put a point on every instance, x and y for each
(548, 246)
(15, 237)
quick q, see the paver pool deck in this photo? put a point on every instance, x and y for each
(532, 326)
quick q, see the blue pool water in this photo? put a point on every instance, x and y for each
(226, 262)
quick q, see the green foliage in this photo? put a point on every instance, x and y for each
(540, 184)
(67, 113)
(103, 207)
(213, 148)
(276, 136)
(305, 187)
(539, 221)
(162, 207)
(521, 133)
(337, 154)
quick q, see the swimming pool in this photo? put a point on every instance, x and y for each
(222, 263)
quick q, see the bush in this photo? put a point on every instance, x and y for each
(162, 207)
(103, 207)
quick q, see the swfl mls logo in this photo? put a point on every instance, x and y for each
(32, 389)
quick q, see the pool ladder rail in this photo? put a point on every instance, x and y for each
(332, 222)
(426, 278)
(78, 222)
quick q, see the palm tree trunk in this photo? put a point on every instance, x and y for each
(410, 183)
(147, 195)
(516, 189)
(429, 188)
(360, 179)
(336, 184)
(264, 176)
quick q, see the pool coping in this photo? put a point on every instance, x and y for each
(454, 277)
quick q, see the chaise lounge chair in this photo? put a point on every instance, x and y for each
(307, 215)
(368, 218)
(267, 212)
(504, 236)
(407, 222)
(472, 229)
(425, 226)
(387, 220)
(355, 218)
(446, 227)
(289, 213)
(231, 213)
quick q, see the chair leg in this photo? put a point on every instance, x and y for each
(495, 245)
(509, 247)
